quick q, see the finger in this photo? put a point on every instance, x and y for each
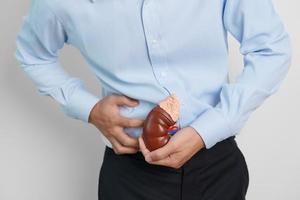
(162, 152)
(120, 149)
(143, 147)
(125, 139)
(125, 100)
(169, 161)
(165, 162)
(129, 122)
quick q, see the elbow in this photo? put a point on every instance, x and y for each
(21, 52)
(288, 52)
(17, 54)
(279, 49)
(18, 57)
(285, 51)
(283, 54)
(282, 45)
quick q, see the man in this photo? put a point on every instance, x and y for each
(142, 51)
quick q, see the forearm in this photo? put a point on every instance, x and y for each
(266, 48)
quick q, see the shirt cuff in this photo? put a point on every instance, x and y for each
(80, 104)
(212, 126)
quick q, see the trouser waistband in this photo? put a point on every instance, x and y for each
(223, 147)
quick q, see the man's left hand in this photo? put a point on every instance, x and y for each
(179, 149)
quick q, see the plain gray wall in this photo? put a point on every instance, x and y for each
(45, 155)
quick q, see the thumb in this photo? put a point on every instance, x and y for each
(162, 152)
(125, 100)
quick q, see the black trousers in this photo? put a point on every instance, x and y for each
(218, 173)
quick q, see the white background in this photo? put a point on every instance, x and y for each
(45, 155)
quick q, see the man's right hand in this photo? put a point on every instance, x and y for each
(106, 117)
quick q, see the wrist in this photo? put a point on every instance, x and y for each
(92, 114)
(201, 141)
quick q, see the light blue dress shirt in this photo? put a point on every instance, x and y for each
(147, 49)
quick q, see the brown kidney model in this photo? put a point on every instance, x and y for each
(158, 121)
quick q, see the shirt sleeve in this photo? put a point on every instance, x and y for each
(266, 50)
(41, 36)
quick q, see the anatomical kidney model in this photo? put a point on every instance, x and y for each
(159, 124)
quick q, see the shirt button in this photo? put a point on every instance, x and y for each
(154, 41)
(146, 2)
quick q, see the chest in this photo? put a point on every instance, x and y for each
(119, 29)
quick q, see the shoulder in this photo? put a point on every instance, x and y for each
(57, 5)
(45, 15)
(49, 7)
(41, 11)
(62, 9)
(41, 8)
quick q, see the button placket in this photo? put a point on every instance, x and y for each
(163, 74)
(159, 61)
(153, 39)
